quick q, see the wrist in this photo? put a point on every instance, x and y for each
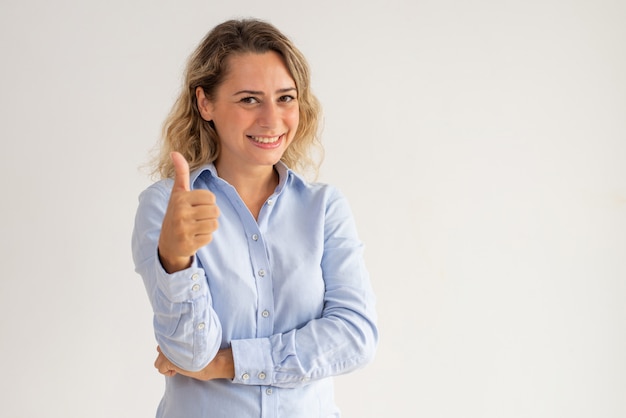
(226, 364)
(174, 264)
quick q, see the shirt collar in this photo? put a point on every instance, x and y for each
(284, 174)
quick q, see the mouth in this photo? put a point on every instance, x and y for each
(267, 142)
(265, 139)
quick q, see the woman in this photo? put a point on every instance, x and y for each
(255, 315)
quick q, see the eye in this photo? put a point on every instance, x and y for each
(249, 100)
(286, 98)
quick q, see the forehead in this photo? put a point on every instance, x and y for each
(261, 69)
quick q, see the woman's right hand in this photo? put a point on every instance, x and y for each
(189, 222)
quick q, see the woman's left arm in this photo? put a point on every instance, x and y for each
(343, 339)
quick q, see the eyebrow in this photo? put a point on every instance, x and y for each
(260, 93)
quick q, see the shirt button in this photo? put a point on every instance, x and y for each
(195, 277)
(195, 287)
(262, 376)
(270, 202)
(201, 325)
(255, 237)
(268, 391)
(265, 313)
(245, 376)
(262, 273)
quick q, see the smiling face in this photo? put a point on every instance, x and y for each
(255, 111)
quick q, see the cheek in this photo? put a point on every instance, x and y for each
(232, 121)
(294, 118)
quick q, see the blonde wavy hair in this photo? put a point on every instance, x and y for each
(185, 131)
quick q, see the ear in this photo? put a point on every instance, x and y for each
(205, 107)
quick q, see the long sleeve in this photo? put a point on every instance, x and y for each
(343, 339)
(186, 328)
(287, 291)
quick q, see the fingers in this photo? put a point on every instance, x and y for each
(181, 169)
(196, 202)
(204, 212)
(189, 211)
(189, 222)
(182, 182)
(200, 198)
(205, 227)
(163, 365)
(199, 220)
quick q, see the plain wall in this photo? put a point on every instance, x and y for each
(482, 146)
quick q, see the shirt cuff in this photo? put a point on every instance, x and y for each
(183, 285)
(253, 361)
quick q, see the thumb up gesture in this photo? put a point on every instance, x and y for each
(189, 222)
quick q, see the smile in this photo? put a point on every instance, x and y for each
(265, 139)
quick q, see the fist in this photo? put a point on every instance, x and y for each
(189, 222)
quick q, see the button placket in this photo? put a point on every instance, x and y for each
(194, 278)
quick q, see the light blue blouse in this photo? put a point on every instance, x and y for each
(289, 293)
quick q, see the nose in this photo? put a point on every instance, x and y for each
(269, 115)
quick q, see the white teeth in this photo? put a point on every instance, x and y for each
(265, 140)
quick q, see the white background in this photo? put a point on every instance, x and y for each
(482, 145)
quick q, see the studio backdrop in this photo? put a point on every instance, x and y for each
(482, 147)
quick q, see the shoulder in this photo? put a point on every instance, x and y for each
(316, 196)
(319, 197)
(157, 193)
(314, 189)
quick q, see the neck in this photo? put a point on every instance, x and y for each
(253, 185)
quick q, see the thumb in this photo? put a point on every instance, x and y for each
(181, 171)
